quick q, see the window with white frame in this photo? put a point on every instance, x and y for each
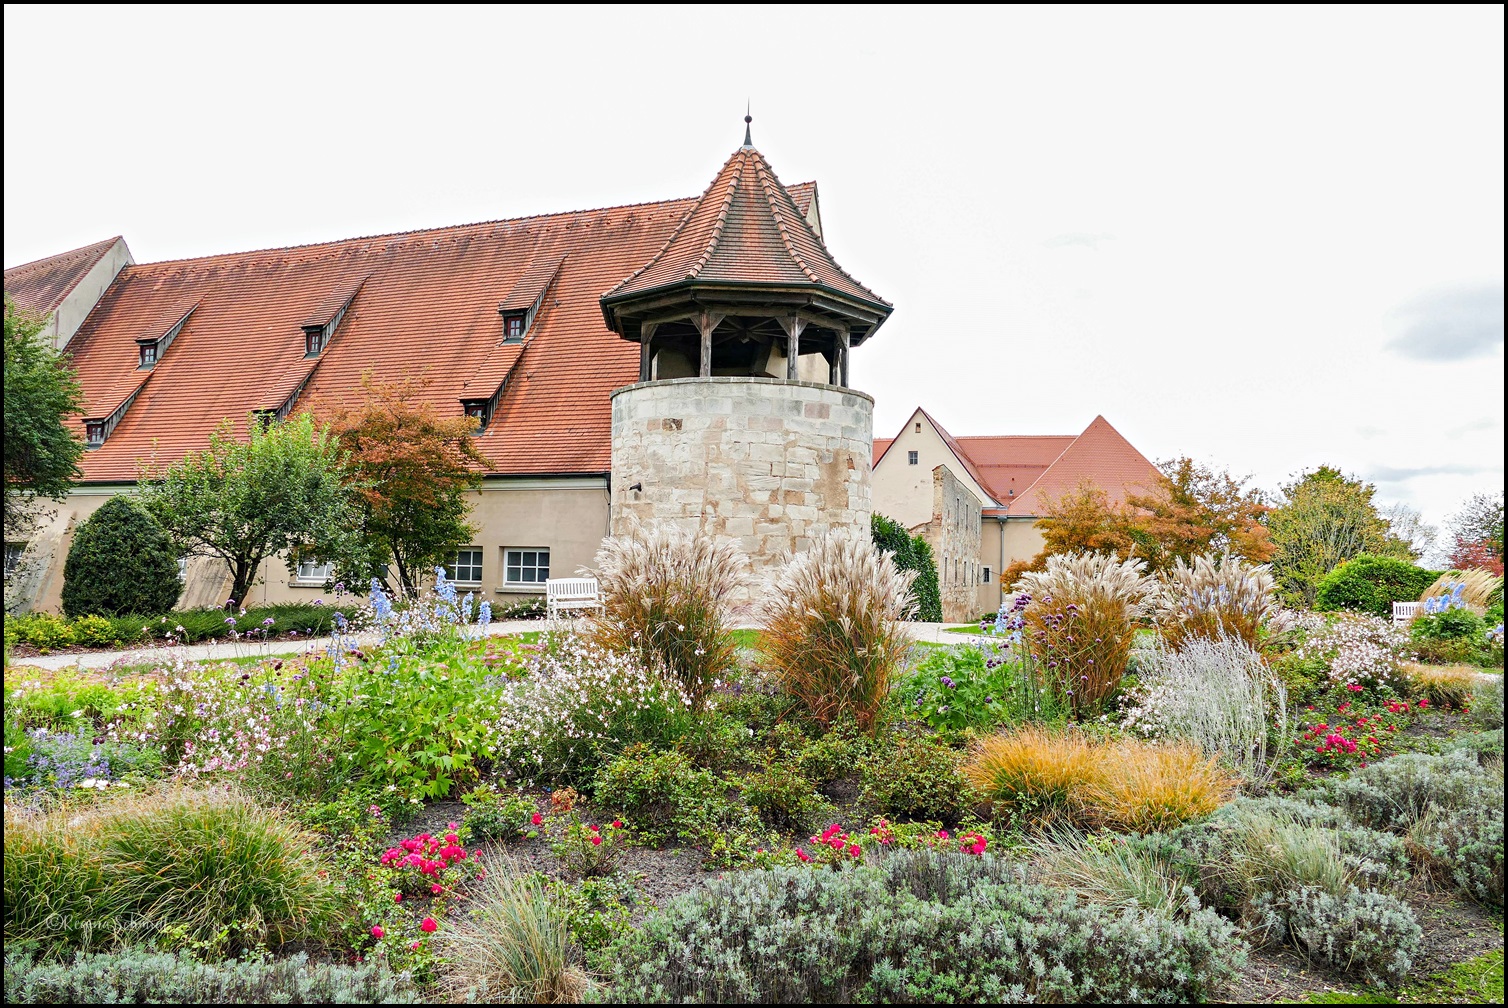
(526, 566)
(182, 569)
(466, 567)
(911, 458)
(310, 572)
(13, 553)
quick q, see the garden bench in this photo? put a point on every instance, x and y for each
(1404, 612)
(571, 593)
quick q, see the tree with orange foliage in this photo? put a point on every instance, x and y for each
(1194, 510)
(413, 467)
(1082, 520)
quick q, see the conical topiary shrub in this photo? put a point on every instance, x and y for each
(120, 564)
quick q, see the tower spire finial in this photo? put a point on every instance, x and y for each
(748, 137)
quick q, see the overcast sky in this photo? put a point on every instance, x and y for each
(1266, 237)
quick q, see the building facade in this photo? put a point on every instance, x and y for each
(976, 500)
(682, 360)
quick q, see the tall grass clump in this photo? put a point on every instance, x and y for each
(1141, 789)
(666, 597)
(1214, 597)
(1034, 773)
(1218, 694)
(513, 944)
(1454, 685)
(1479, 588)
(1113, 872)
(833, 632)
(1081, 622)
(170, 864)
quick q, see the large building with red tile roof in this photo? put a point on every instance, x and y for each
(977, 499)
(528, 324)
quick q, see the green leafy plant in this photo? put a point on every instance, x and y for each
(911, 553)
(1371, 584)
(588, 849)
(120, 563)
(496, 813)
(919, 779)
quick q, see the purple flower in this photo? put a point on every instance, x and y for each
(318, 601)
(268, 621)
(230, 620)
(947, 682)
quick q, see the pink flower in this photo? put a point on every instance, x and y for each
(595, 828)
(617, 824)
(596, 840)
(536, 819)
(854, 850)
(377, 931)
(397, 897)
(437, 889)
(942, 834)
(415, 946)
(802, 855)
(452, 825)
(428, 925)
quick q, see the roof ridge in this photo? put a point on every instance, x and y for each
(412, 231)
(717, 229)
(82, 251)
(761, 169)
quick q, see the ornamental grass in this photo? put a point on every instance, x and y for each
(833, 632)
(666, 597)
(512, 944)
(1480, 588)
(1214, 597)
(1081, 622)
(170, 864)
(1454, 685)
(1041, 776)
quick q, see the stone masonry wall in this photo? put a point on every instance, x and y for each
(954, 533)
(766, 462)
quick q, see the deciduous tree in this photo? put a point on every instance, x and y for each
(414, 468)
(287, 489)
(1194, 510)
(1324, 519)
(42, 451)
(1477, 530)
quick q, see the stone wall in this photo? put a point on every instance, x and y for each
(766, 462)
(954, 533)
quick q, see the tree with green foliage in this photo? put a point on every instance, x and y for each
(41, 451)
(1371, 584)
(414, 468)
(287, 489)
(911, 553)
(1324, 519)
(120, 564)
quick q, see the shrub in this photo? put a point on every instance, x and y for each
(139, 976)
(43, 631)
(786, 799)
(977, 686)
(578, 706)
(1396, 793)
(1487, 705)
(1081, 623)
(120, 562)
(1360, 651)
(833, 635)
(666, 594)
(1370, 934)
(911, 553)
(917, 779)
(1218, 694)
(1214, 597)
(1033, 773)
(921, 926)
(1371, 584)
(663, 795)
(1113, 872)
(208, 866)
(494, 813)
(1453, 685)
(1465, 849)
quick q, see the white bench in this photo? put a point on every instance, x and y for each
(1404, 612)
(571, 593)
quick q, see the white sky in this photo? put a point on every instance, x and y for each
(1269, 237)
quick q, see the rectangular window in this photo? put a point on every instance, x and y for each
(526, 566)
(314, 341)
(911, 458)
(148, 354)
(182, 570)
(986, 575)
(513, 327)
(467, 566)
(310, 572)
(94, 433)
(13, 553)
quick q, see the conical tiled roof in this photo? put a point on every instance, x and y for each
(745, 229)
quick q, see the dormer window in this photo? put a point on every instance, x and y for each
(513, 326)
(480, 410)
(264, 418)
(148, 354)
(94, 433)
(315, 338)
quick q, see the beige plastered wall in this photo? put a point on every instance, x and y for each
(903, 491)
(75, 308)
(565, 514)
(1022, 541)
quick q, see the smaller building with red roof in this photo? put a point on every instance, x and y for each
(977, 499)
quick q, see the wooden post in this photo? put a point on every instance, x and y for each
(843, 358)
(705, 323)
(646, 336)
(792, 326)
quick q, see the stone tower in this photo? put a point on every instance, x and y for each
(742, 421)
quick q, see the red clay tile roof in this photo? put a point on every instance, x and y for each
(429, 305)
(1100, 456)
(39, 287)
(746, 228)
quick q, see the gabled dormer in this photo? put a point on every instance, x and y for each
(526, 298)
(319, 328)
(150, 348)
